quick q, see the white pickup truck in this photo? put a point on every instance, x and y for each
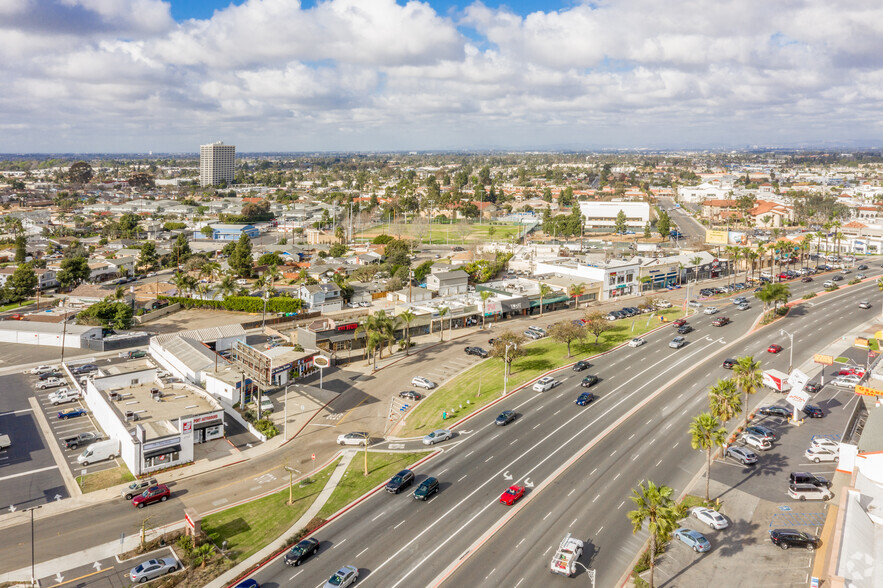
(565, 558)
(63, 395)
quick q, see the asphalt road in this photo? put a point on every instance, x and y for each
(396, 541)
(686, 224)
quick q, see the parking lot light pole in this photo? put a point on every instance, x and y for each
(790, 336)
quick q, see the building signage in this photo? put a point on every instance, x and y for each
(797, 399)
(866, 391)
(348, 327)
(823, 359)
(713, 237)
(162, 443)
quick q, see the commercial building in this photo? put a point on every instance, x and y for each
(216, 164)
(602, 215)
(51, 334)
(618, 278)
(231, 232)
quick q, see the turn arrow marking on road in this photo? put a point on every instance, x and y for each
(11, 508)
(97, 566)
(506, 475)
(58, 577)
(528, 483)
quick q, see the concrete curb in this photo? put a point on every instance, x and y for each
(238, 576)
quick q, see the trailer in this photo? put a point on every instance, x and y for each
(776, 380)
(564, 560)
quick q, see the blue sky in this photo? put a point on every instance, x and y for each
(202, 9)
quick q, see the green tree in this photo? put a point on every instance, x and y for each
(596, 324)
(241, 261)
(515, 342)
(619, 225)
(567, 332)
(407, 317)
(423, 270)
(74, 271)
(207, 231)
(21, 249)
(271, 258)
(707, 433)
(22, 284)
(647, 230)
(724, 400)
(79, 173)
(748, 379)
(655, 507)
(545, 290)
(148, 258)
(337, 250)
(442, 313)
(129, 226)
(484, 294)
(180, 250)
(663, 225)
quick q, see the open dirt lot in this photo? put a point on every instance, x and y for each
(196, 318)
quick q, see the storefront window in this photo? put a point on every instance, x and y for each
(161, 460)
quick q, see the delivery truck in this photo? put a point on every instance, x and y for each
(776, 380)
(565, 558)
(99, 451)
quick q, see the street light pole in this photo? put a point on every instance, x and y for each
(506, 366)
(285, 428)
(33, 574)
(790, 347)
(290, 471)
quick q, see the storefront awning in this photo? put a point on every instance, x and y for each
(547, 301)
(162, 451)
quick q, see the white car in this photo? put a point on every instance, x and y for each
(818, 454)
(829, 284)
(755, 441)
(537, 330)
(544, 384)
(352, 439)
(710, 310)
(663, 304)
(694, 304)
(266, 404)
(41, 369)
(710, 517)
(437, 437)
(846, 381)
(743, 306)
(636, 342)
(824, 443)
(421, 382)
(51, 383)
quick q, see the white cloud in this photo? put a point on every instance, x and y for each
(376, 74)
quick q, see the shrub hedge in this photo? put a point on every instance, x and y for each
(240, 303)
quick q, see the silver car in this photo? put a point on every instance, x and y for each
(153, 568)
(437, 436)
(343, 577)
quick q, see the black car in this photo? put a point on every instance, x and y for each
(836, 278)
(806, 279)
(779, 411)
(581, 365)
(506, 417)
(85, 369)
(410, 395)
(476, 351)
(48, 375)
(491, 341)
(786, 538)
(812, 387)
(426, 488)
(813, 412)
(684, 329)
(585, 398)
(808, 478)
(400, 481)
(301, 552)
(589, 381)
(862, 267)
(729, 363)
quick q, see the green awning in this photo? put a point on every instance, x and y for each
(548, 301)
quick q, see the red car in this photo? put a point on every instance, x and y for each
(158, 493)
(774, 348)
(679, 323)
(853, 371)
(511, 496)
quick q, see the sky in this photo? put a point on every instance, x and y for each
(137, 76)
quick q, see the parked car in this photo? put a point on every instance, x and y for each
(775, 410)
(411, 395)
(786, 538)
(506, 417)
(344, 576)
(41, 369)
(302, 552)
(158, 493)
(51, 383)
(512, 495)
(85, 369)
(546, 383)
(755, 441)
(48, 375)
(427, 487)
(437, 436)
(589, 381)
(137, 487)
(820, 454)
(72, 413)
(825, 443)
(693, 539)
(84, 439)
(63, 395)
(400, 481)
(812, 387)
(421, 382)
(153, 568)
(710, 517)
(636, 342)
(741, 454)
(581, 365)
(813, 411)
(476, 351)
(763, 432)
(585, 398)
(809, 492)
(355, 438)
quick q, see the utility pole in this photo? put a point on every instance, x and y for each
(790, 347)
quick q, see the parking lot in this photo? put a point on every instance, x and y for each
(755, 499)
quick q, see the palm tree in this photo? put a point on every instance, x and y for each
(442, 311)
(545, 289)
(737, 255)
(407, 317)
(706, 433)
(724, 400)
(696, 261)
(748, 379)
(370, 327)
(227, 286)
(484, 294)
(761, 249)
(805, 244)
(655, 506)
(273, 275)
(577, 290)
(387, 329)
(766, 295)
(202, 290)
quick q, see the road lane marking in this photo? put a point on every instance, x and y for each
(399, 525)
(596, 498)
(630, 437)
(547, 516)
(468, 454)
(488, 459)
(347, 413)
(636, 456)
(358, 555)
(571, 492)
(28, 473)
(598, 532)
(617, 476)
(573, 522)
(593, 471)
(520, 542)
(297, 574)
(443, 471)
(463, 478)
(658, 462)
(535, 426)
(378, 516)
(519, 582)
(341, 542)
(620, 505)
(676, 444)
(489, 575)
(614, 451)
(556, 412)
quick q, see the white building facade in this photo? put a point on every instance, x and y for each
(602, 215)
(216, 164)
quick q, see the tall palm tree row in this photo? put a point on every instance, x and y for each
(407, 317)
(655, 507)
(442, 313)
(748, 379)
(724, 400)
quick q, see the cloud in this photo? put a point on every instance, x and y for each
(378, 74)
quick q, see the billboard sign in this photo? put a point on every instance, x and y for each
(713, 237)
(823, 359)
(256, 364)
(797, 399)
(798, 380)
(867, 391)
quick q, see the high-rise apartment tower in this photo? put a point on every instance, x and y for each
(216, 164)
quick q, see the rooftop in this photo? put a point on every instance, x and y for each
(157, 405)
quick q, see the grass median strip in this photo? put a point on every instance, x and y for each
(249, 527)
(381, 466)
(484, 383)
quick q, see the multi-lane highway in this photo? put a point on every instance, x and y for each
(615, 442)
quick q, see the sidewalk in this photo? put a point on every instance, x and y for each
(280, 543)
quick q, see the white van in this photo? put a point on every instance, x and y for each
(99, 451)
